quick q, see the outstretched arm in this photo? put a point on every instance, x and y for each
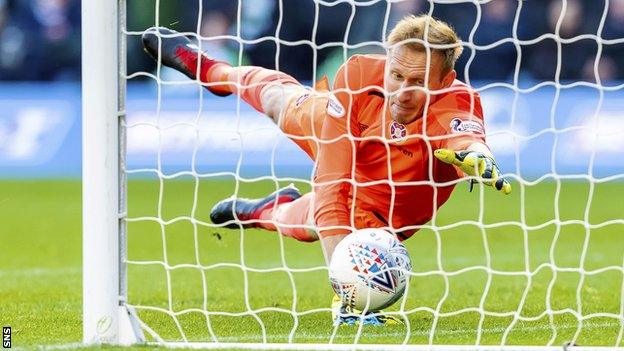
(459, 118)
(328, 245)
(332, 183)
(335, 161)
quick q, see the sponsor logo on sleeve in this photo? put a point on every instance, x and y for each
(334, 107)
(459, 125)
(301, 99)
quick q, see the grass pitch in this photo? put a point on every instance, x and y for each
(515, 256)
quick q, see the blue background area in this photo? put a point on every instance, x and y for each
(45, 117)
(571, 132)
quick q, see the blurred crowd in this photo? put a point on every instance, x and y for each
(40, 39)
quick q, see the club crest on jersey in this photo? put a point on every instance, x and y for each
(398, 131)
(334, 107)
(463, 126)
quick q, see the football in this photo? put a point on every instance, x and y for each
(368, 269)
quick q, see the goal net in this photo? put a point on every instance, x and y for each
(543, 266)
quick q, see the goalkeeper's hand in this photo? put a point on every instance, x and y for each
(477, 164)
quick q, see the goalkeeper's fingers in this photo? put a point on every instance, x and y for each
(475, 164)
(497, 181)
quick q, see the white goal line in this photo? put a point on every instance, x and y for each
(365, 347)
(340, 347)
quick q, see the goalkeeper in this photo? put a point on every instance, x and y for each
(373, 136)
(389, 139)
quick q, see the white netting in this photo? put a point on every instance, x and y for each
(544, 266)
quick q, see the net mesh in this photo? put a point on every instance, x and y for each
(544, 266)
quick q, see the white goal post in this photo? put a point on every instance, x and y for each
(107, 319)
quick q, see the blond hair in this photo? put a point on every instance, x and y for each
(438, 33)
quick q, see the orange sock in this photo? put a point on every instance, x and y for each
(295, 215)
(252, 81)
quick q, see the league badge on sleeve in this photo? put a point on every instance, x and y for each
(459, 125)
(334, 107)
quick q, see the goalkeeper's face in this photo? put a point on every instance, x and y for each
(405, 82)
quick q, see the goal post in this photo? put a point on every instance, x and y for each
(106, 319)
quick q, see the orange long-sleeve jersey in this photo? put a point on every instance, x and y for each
(367, 161)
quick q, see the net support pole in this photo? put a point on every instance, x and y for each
(106, 319)
(100, 169)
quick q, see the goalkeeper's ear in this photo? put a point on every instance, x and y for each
(448, 79)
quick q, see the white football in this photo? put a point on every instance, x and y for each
(369, 269)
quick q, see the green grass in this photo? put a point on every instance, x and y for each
(40, 253)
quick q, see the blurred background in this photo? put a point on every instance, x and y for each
(546, 51)
(40, 39)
